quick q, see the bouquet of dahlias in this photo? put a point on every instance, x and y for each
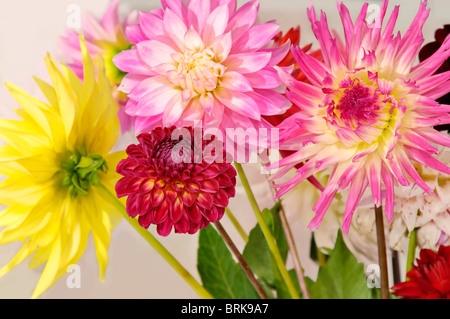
(259, 160)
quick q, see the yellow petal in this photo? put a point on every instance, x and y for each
(51, 269)
(88, 72)
(67, 99)
(34, 107)
(26, 250)
(49, 92)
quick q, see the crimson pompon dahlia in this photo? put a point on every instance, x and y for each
(171, 184)
(368, 112)
(202, 61)
(429, 279)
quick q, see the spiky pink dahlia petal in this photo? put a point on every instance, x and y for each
(186, 193)
(368, 112)
(205, 61)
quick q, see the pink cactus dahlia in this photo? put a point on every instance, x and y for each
(185, 192)
(368, 111)
(205, 61)
(105, 38)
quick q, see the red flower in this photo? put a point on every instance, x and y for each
(430, 279)
(185, 194)
(428, 50)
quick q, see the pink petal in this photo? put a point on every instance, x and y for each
(128, 61)
(247, 62)
(151, 25)
(134, 33)
(359, 185)
(264, 79)
(110, 19)
(207, 102)
(154, 53)
(221, 46)
(152, 103)
(235, 81)
(175, 28)
(197, 13)
(257, 37)
(215, 24)
(243, 19)
(173, 110)
(238, 102)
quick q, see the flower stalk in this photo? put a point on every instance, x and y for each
(411, 250)
(267, 233)
(382, 255)
(236, 224)
(241, 260)
(190, 280)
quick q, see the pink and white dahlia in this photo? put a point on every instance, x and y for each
(368, 112)
(104, 38)
(202, 61)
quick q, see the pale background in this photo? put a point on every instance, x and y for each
(28, 29)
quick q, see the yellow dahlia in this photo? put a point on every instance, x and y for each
(53, 159)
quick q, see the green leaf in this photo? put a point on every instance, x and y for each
(342, 277)
(220, 274)
(257, 252)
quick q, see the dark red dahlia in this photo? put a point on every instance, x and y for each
(428, 50)
(429, 279)
(170, 184)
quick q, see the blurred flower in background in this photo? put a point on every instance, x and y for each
(429, 279)
(105, 38)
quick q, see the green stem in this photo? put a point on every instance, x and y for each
(236, 224)
(321, 257)
(199, 289)
(411, 250)
(267, 233)
(382, 255)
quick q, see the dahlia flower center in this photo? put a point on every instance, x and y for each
(359, 110)
(197, 71)
(357, 104)
(81, 171)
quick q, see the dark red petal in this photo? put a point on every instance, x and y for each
(132, 206)
(211, 214)
(224, 181)
(221, 198)
(164, 228)
(177, 210)
(204, 200)
(193, 187)
(160, 213)
(157, 197)
(171, 195)
(188, 198)
(145, 220)
(122, 188)
(209, 186)
(220, 212)
(182, 226)
(194, 214)
(211, 172)
(144, 203)
(147, 185)
(193, 228)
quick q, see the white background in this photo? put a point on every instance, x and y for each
(28, 29)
